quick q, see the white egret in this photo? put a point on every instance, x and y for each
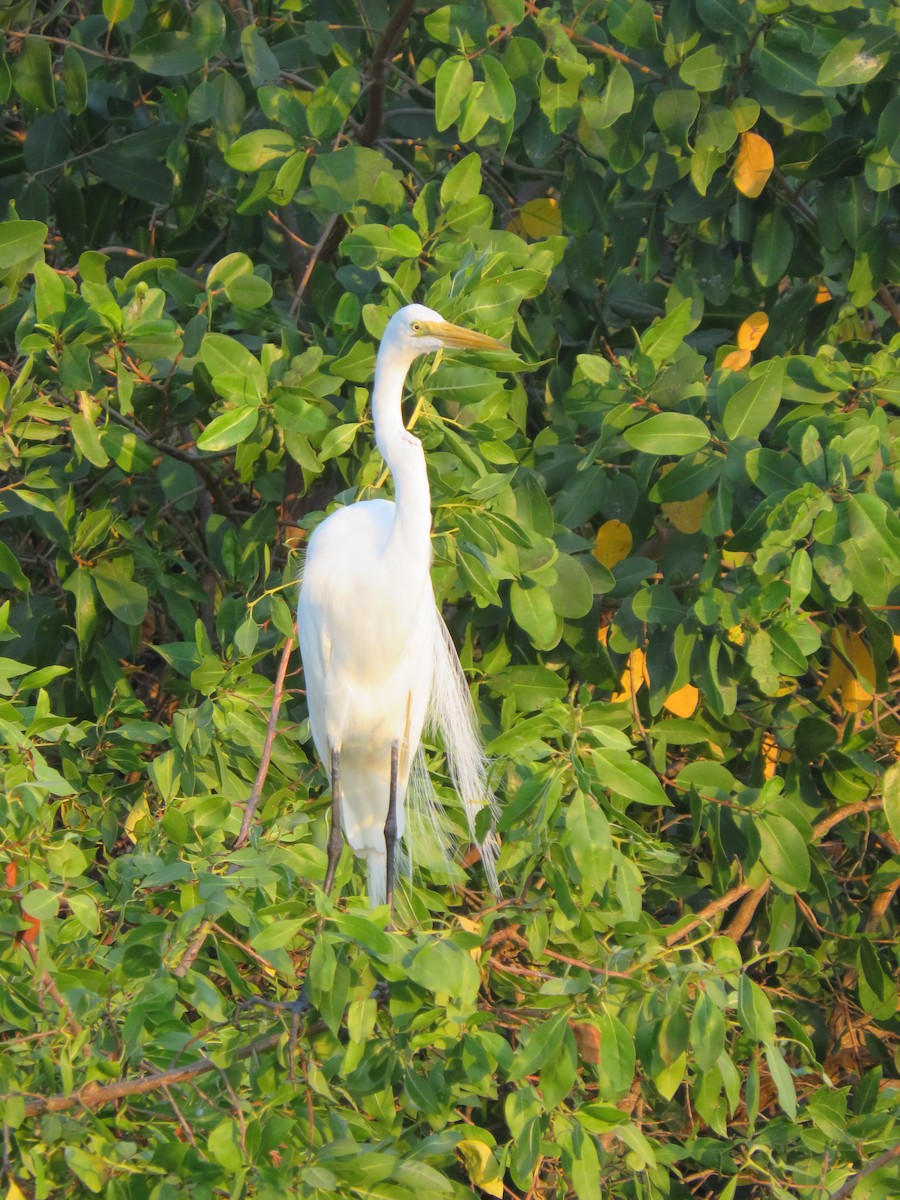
(378, 660)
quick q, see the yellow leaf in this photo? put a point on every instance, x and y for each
(736, 635)
(897, 644)
(753, 165)
(481, 1166)
(736, 360)
(140, 812)
(540, 218)
(633, 677)
(734, 558)
(751, 331)
(856, 686)
(769, 749)
(683, 702)
(613, 543)
(15, 1192)
(686, 515)
(822, 295)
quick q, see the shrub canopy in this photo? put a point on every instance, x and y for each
(666, 538)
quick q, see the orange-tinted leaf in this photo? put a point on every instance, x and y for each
(613, 543)
(686, 515)
(10, 875)
(540, 218)
(751, 331)
(770, 755)
(736, 360)
(753, 165)
(587, 1039)
(897, 644)
(822, 295)
(683, 702)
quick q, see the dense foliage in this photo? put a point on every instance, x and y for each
(666, 540)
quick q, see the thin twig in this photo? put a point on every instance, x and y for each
(876, 1164)
(256, 794)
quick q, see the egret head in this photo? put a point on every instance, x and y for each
(418, 330)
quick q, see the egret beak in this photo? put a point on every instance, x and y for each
(456, 337)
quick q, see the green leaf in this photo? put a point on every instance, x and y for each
(451, 87)
(117, 10)
(753, 406)
(627, 779)
(664, 337)
(124, 598)
(20, 242)
(616, 99)
(590, 842)
(75, 81)
(341, 179)
(170, 54)
(87, 439)
(533, 611)
(542, 1042)
(668, 433)
(858, 57)
(228, 429)
(755, 1011)
(891, 798)
(444, 968)
(32, 74)
(258, 149)
(784, 852)
(784, 1083)
(773, 247)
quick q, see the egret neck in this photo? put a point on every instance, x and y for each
(402, 453)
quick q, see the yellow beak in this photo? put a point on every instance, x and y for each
(456, 337)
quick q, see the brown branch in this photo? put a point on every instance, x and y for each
(256, 794)
(744, 914)
(849, 810)
(876, 1164)
(94, 1094)
(378, 72)
(187, 959)
(705, 914)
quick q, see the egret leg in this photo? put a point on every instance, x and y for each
(335, 838)
(390, 825)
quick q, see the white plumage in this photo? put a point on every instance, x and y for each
(377, 657)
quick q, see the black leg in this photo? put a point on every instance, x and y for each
(335, 838)
(390, 825)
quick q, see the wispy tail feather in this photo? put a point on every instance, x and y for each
(452, 715)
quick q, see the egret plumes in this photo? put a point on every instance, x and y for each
(379, 664)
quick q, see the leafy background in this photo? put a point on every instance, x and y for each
(666, 539)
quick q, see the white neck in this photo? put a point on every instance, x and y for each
(402, 452)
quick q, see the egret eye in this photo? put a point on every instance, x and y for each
(417, 326)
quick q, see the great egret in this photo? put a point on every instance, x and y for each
(378, 659)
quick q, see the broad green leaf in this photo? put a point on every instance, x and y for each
(858, 57)
(543, 1041)
(773, 247)
(174, 53)
(32, 74)
(668, 433)
(451, 87)
(533, 610)
(753, 406)
(75, 81)
(590, 842)
(20, 241)
(664, 337)
(784, 852)
(341, 179)
(891, 794)
(614, 101)
(629, 780)
(755, 1011)
(258, 149)
(444, 968)
(228, 429)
